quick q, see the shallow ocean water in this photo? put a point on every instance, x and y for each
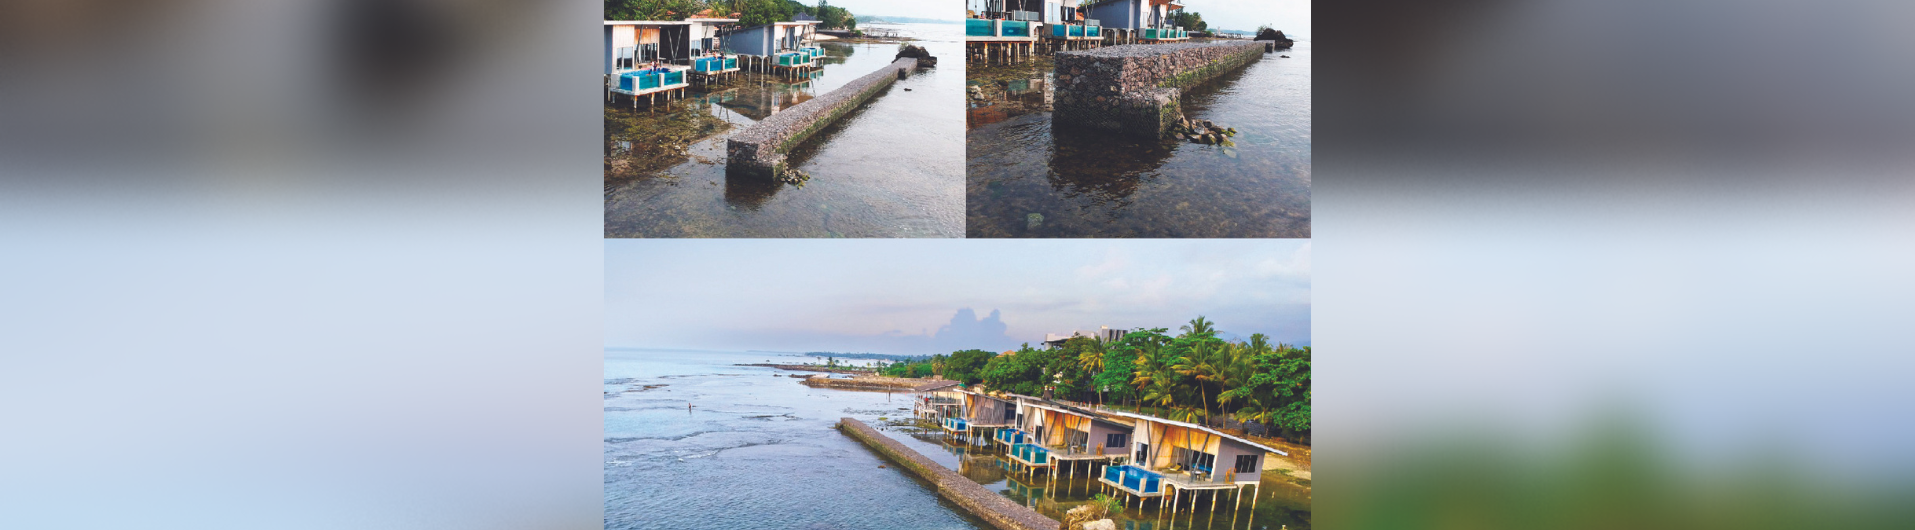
(893, 168)
(758, 450)
(1028, 179)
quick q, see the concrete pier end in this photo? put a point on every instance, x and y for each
(759, 150)
(973, 497)
(1137, 89)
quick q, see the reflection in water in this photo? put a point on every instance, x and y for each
(889, 169)
(1097, 184)
(1106, 169)
(750, 194)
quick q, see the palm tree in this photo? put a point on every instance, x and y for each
(1201, 366)
(1092, 362)
(1199, 327)
(1152, 366)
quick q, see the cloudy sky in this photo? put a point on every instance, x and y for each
(1291, 16)
(922, 297)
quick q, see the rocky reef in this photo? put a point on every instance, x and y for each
(1281, 42)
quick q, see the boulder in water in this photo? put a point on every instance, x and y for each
(1277, 37)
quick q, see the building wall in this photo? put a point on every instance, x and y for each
(618, 37)
(1099, 432)
(1227, 460)
(986, 409)
(755, 40)
(1163, 437)
(1123, 15)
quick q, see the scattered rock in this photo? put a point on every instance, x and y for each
(1284, 56)
(907, 90)
(1103, 524)
(1034, 220)
(794, 177)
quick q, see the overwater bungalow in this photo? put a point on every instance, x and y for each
(1139, 21)
(1176, 458)
(1003, 31)
(1067, 26)
(643, 58)
(777, 47)
(989, 412)
(937, 400)
(652, 58)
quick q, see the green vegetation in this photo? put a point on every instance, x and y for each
(1193, 376)
(748, 12)
(1110, 504)
(832, 17)
(652, 9)
(1189, 21)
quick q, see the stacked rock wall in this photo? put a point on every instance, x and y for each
(982, 502)
(759, 150)
(1137, 88)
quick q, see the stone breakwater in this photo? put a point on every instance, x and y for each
(759, 150)
(1136, 89)
(989, 506)
(864, 382)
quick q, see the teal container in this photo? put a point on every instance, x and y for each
(1059, 30)
(731, 62)
(974, 27)
(1014, 28)
(1094, 31)
(675, 77)
(1077, 31)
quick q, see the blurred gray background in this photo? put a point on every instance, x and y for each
(1615, 264)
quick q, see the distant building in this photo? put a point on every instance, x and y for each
(1104, 334)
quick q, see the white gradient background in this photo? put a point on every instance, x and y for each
(246, 284)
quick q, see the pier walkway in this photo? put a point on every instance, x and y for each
(760, 149)
(1000, 512)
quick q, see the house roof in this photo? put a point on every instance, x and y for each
(1198, 427)
(647, 23)
(1067, 409)
(686, 22)
(934, 385)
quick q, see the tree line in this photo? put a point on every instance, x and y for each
(1193, 376)
(748, 12)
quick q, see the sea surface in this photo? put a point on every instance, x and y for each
(757, 450)
(1025, 179)
(893, 168)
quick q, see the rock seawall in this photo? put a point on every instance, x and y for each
(1136, 89)
(987, 505)
(759, 150)
(895, 384)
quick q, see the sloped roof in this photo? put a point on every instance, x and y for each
(934, 385)
(1198, 427)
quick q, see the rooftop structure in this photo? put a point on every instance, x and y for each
(1104, 334)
